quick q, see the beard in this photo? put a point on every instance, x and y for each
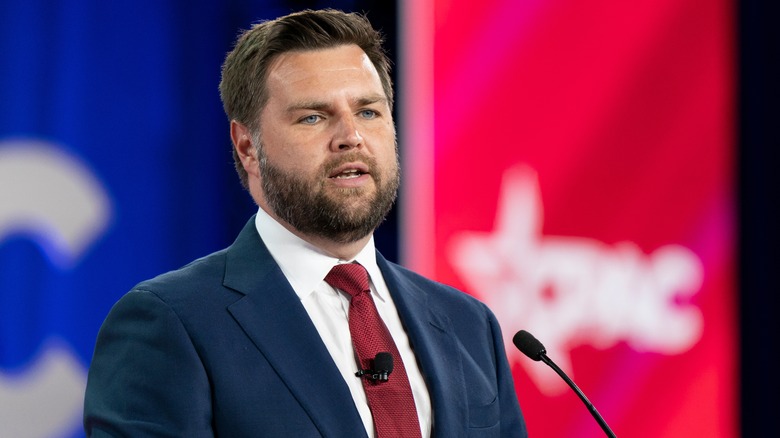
(344, 215)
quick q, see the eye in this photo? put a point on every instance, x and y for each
(368, 114)
(311, 119)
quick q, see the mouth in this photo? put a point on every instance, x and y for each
(349, 171)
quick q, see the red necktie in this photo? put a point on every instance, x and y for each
(391, 402)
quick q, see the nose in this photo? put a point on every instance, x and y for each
(347, 136)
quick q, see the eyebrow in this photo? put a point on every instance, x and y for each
(318, 105)
(369, 100)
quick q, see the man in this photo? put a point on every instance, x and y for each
(276, 335)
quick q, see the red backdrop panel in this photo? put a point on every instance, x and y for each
(571, 164)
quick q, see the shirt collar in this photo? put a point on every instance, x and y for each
(303, 264)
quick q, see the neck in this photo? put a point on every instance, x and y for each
(334, 248)
(341, 251)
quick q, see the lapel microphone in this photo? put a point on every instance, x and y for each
(531, 347)
(381, 369)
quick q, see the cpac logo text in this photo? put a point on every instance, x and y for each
(572, 291)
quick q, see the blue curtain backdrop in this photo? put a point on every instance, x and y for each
(115, 166)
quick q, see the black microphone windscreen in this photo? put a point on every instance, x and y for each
(529, 345)
(383, 362)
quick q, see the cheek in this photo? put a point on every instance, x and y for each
(386, 163)
(291, 152)
(302, 160)
(385, 149)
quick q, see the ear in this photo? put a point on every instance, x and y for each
(242, 142)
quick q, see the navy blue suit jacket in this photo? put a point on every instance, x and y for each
(224, 347)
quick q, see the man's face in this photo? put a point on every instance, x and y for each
(328, 162)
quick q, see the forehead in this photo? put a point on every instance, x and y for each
(338, 69)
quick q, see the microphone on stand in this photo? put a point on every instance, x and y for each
(531, 347)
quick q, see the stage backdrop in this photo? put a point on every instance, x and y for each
(567, 162)
(571, 164)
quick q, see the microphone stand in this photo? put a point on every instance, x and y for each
(580, 394)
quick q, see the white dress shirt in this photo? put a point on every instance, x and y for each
(305, 267)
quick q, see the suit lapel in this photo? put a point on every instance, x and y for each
(430, 333)
(273, 317)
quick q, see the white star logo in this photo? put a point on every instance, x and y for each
(573, 291)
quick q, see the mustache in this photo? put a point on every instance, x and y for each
(349, 157)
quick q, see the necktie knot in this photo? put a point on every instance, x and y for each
(352, 278)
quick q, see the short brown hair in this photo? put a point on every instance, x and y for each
(244, 73)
